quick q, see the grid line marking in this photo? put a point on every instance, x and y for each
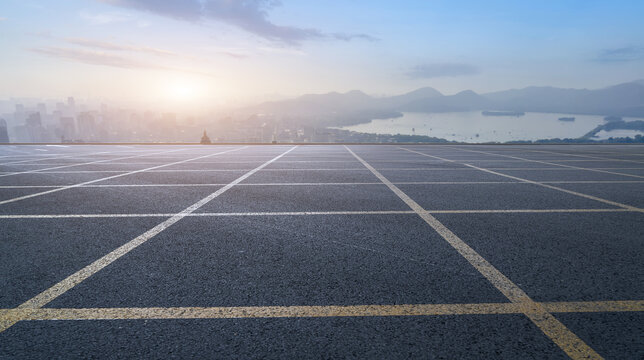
(64, 285)
(150, 313)
(570, 343)
(562, 165)
(588, 156)
(329, 184)
(110, 177)
(543, 184)
(314, 213)
(47, 170)
(53, 157)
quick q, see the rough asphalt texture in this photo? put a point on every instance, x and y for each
(322, 259)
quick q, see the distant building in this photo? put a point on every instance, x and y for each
(42, 109)
(68, 128)
(4, 134)
(34, 120)
(205, 139)
(86, 126)
(35, 131)
(19, 115)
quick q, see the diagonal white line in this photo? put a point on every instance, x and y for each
(86, 163)
(63, 286)
(555, 164)
(553, 328)
(605, 201)
(110, 177)
(56, 157)
(587, 156)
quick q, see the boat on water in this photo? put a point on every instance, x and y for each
(502, 113)
(566, 119)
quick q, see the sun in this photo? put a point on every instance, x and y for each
(182, 92)
(183, 89)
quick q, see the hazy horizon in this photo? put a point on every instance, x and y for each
(219, 52)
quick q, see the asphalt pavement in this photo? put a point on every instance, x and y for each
(322, 251)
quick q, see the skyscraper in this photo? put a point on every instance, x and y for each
(86, 126)
(4, 134)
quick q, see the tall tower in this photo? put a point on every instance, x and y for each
(205, 139)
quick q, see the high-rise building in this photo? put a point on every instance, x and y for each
(68, 128)
(42, 109)
(86, 126)
(34, 120)
(4, 134)
(19, 115)
(35, 131)
(71, 107)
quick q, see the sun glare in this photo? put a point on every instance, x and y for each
(182, 92)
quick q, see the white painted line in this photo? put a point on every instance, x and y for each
(312, 213)
(326, 184)
(586, 156)
(54, 157)
(605, 201)
(47, 170)
(553, 328)
(63, 286)
(561, 165)
(110, 177)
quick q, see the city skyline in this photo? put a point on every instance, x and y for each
(218, 52)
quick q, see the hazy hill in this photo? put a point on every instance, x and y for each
(464, 101)
(355, 106)
(404, 99)
(350, 101)
(319, 103)
(622, 100)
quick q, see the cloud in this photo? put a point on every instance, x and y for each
(428, 71)
(625, 54)
(349, 37)
(110, 46)
(248, 15)
(191, 10)
(105, 18)
(282, 51)
(105, 59)
(3, 18)
(111, 18)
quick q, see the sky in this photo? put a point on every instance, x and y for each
(234, 51)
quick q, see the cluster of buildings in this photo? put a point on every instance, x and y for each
(70, 122)
(33, 124)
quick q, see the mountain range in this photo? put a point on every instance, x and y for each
(353, 107)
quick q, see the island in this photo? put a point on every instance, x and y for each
(566, 119)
